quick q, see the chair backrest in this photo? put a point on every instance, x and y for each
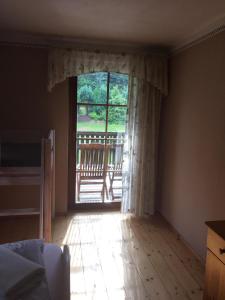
(116, 157)
(93, 160)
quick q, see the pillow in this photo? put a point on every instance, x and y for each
(32, 250)
(20, 274)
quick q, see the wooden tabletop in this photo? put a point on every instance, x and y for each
(218, 227)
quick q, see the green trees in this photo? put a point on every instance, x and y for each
(92, 89)
(85, 93)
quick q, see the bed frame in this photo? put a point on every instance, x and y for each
(15, 222)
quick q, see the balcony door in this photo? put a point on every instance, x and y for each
(101, 113)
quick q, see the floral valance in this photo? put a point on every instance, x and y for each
(64, 63)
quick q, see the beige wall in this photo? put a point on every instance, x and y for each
(193, 142)
(26, 104)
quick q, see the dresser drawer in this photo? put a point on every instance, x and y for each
(214, 279)
(216, 244)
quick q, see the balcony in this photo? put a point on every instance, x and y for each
(99, 167)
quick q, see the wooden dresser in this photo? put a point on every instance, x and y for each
(215, 261)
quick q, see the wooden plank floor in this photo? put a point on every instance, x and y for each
(115, 257)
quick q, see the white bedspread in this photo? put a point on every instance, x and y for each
(18, 275)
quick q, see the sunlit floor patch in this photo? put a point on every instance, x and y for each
(118, 257)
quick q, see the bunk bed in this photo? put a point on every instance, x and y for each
(27, 160)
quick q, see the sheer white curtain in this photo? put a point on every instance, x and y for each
(140, 156)
(147, 86)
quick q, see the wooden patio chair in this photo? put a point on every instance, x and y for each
(92, 168)
(115, 167)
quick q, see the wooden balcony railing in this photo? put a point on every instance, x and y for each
(90, 137)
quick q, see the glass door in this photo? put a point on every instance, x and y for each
(101, 122)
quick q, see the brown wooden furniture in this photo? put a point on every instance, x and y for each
(28, 222)
(92, 168)
(215, 261)
(115, 167)
(51, 137)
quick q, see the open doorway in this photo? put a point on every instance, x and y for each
(100, 107)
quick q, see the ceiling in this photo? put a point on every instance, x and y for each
(144, 23)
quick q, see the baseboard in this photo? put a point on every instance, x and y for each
(61, 214)
(180, 237)
(86, 207)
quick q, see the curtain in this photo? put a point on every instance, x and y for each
(141, 148)
(148, 83)
(63, 64)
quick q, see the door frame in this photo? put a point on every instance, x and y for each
(72, 86)
(72, 205)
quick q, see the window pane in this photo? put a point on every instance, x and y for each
(118, 89)
(92, 88)
(91, 118)
(117, 119)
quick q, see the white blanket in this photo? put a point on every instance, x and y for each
(18, 275)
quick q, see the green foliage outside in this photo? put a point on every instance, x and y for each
(92, 88)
